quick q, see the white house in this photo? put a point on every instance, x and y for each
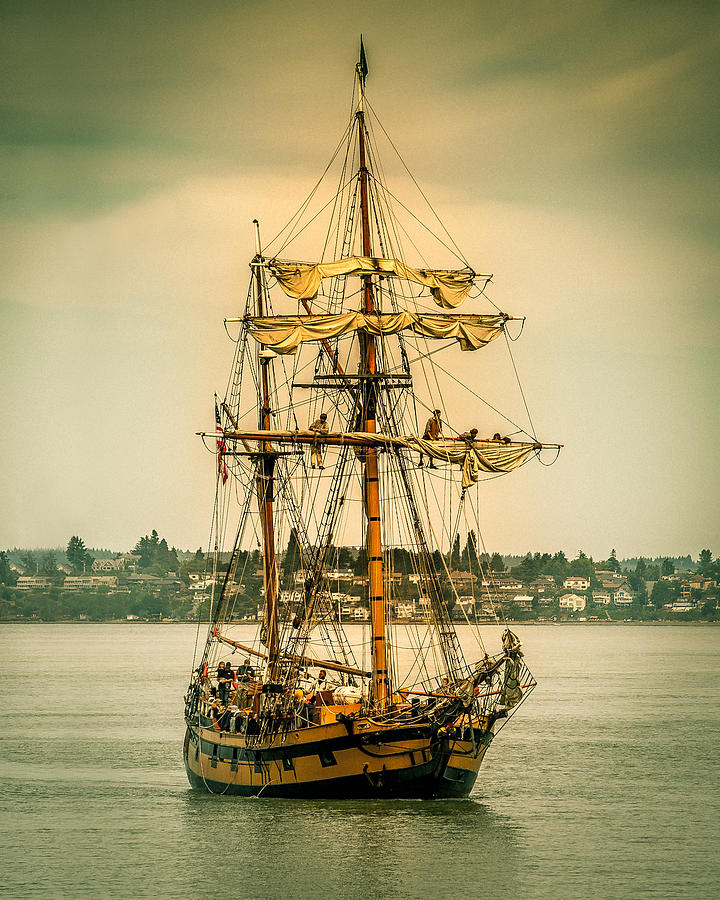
(405, 610)
(340, 575)
(623, 596)
(576, 583)
(118, 564)
(601, 598)
(466, 604)
(26, 582)
(681, 606)
(522, 601)
(572, 602)
(360, 613)
(74, 582)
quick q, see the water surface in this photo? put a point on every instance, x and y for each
(603, 785)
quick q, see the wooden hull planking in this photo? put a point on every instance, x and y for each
(336, 761)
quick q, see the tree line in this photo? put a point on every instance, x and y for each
(153, 555)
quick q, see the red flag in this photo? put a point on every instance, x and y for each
(221, 446)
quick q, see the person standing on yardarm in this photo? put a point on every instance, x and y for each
(433, 432)
(320, 427)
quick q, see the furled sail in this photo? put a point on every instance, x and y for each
(284, 334)
(473, 457)
(302, 280)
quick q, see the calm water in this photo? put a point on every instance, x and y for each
(604, 784)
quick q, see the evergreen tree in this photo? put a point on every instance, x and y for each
(454, 556)
(705, 563)
(7, 576)
(48, 564)
(664, 592)
(345, 558)
(497, 564)
(155, 554)
(77, 555)
(612, 563)
(360, 564)
(29, 563)
(291, 562)
(667, 567)
(558, 567)
(469, 553)
(582, 566)
(146, 548)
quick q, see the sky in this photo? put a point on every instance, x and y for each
(570, 149)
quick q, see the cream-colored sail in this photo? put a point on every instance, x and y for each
(284, 334)
(302, 280)
(474, 457)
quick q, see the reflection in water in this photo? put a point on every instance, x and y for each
(365, 849)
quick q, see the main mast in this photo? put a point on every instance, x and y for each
(265, 489)
(368, 368)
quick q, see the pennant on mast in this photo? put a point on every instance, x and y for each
(362, 68)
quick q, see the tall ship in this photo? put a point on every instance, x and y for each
(343, 494)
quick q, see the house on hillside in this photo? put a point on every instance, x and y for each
(462, 579)
(681, 606)
(572, 602)
(501, 582)
(521, 601)
(701, 583)
(28, 582)
(76, 582)
(623, 595)
(405, 611)
(125, 561)
(576, 583)
(610, 582)
(340, 575)
(543, 584)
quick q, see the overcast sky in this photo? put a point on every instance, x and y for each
(571, 149)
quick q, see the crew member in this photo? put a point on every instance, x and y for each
(225, 677)
(320, 427)
(433, 432)
(245, 673)
(320, 684)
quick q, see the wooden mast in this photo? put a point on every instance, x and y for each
(265, 489)
(368, 367)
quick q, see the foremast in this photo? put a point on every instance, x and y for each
(368, 367)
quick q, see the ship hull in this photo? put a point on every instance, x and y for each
(332, 763)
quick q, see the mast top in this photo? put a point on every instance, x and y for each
(362, 69)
